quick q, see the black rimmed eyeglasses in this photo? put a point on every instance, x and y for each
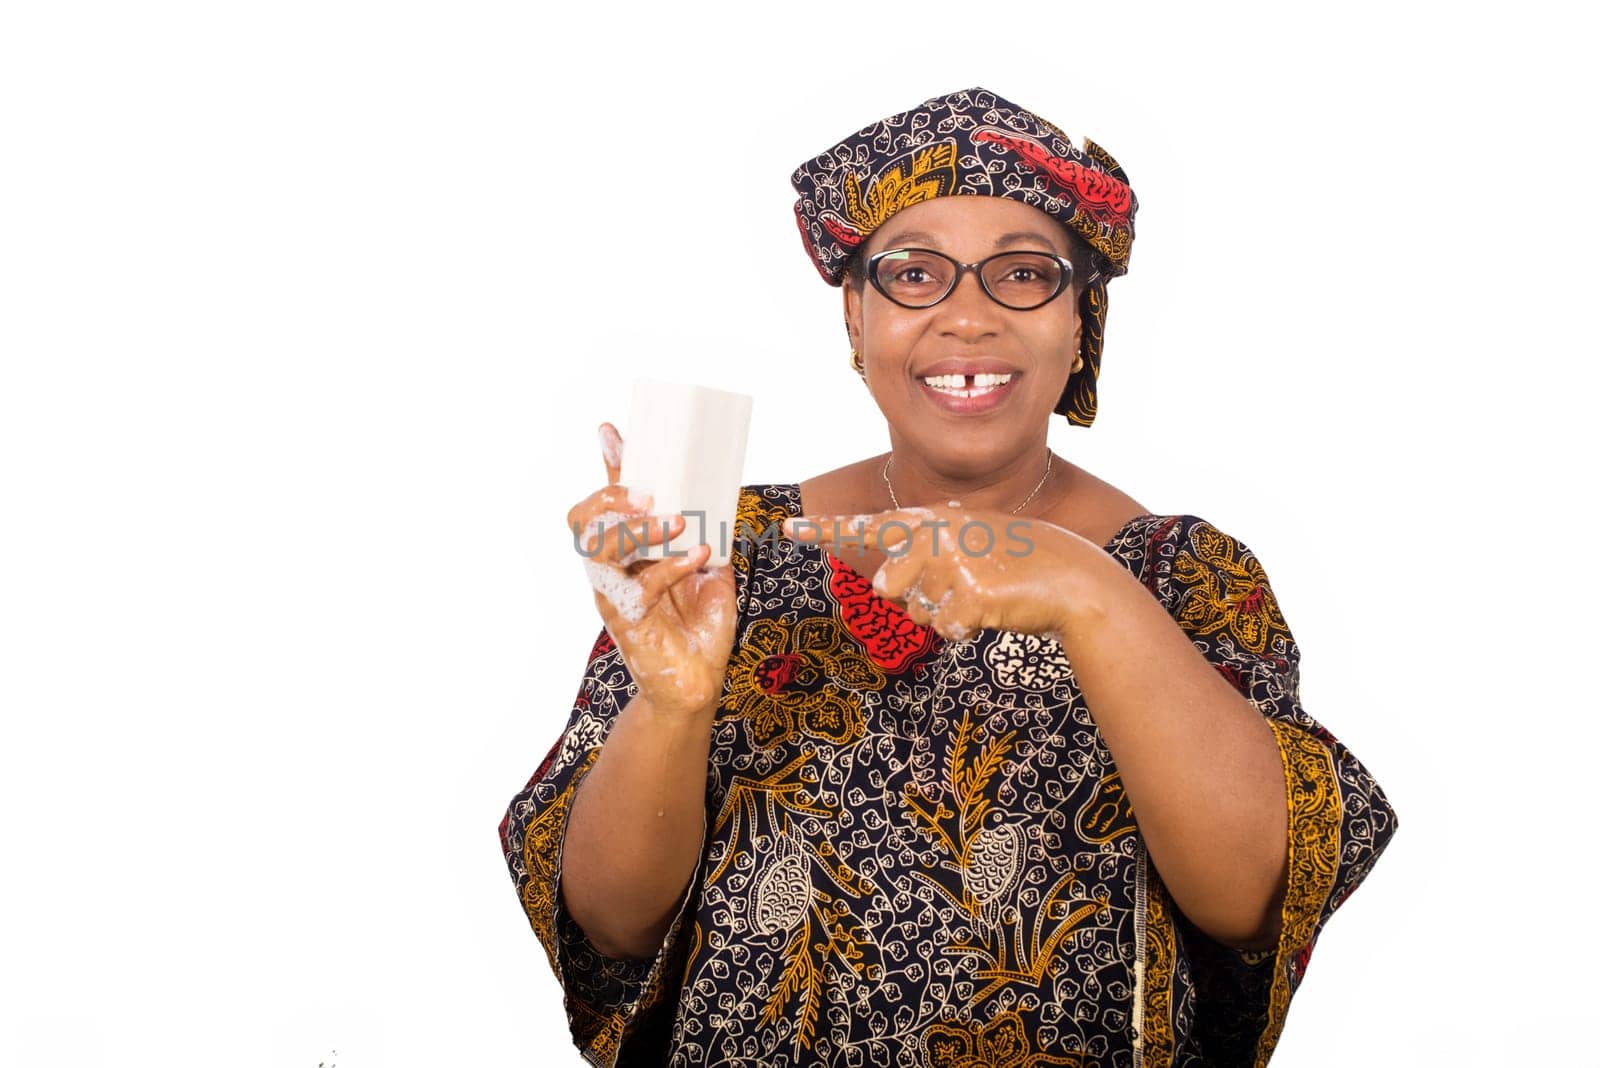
(921, 277)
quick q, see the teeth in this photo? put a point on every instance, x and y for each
(957, 383)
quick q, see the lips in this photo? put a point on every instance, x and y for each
(971, 399)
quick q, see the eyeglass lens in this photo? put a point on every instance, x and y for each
(919, 278)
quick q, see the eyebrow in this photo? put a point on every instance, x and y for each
(1015, 237)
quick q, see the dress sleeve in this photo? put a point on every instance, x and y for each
(1339, 820)
(607, 1000)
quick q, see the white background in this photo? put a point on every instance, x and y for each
(304, 351)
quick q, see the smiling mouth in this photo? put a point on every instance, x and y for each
(967, 385)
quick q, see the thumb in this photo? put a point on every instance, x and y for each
(611, 451)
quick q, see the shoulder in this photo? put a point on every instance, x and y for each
(1196, 545)
(1209, 580)
(1181, 557)
(1181, 546)
(1094, 508)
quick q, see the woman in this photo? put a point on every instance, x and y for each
(980, 762)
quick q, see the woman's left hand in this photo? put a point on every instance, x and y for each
(959, 570)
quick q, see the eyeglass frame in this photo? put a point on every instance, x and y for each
(1067, 271)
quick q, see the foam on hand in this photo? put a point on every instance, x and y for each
(686, 447)
(611, 445)
(624, 591)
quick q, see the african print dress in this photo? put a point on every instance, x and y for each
(918, 852)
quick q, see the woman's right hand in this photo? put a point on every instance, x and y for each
(672, 620)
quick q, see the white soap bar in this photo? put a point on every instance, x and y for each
(685, 447)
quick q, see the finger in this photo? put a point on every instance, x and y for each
(608, 499)
(898, 574)
(933, 584)
(952, 626)
(637, 534)
(611, 451)
(624, 598)
(913, 607)
(612, 536)
(666, 574)
(617, 539)
(949, 609)
(701, 606)
(957, 615)
(618, 597)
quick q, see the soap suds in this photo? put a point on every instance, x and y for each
(611, 445)
(592, 531)
(625, 592)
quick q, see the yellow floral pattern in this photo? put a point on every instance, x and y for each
(1001, 1043)
(1227, 591)
(790, 682)
(540, 846)
(1313, 862)
(986, 862)
(924, 174)
(755, 520)
(1153, 1024)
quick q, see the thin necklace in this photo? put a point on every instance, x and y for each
(1048, 458)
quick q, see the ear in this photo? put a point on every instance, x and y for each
(852, 312)
(1077, 324)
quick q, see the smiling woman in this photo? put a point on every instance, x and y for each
(968, 757)
(1015, 318)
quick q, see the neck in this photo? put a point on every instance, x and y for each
(918, 483)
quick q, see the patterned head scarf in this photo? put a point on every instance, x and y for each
(973, 143)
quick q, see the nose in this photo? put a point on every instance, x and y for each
(968, 312)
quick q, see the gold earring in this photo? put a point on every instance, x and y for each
(856, 365)
(1077, 365)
